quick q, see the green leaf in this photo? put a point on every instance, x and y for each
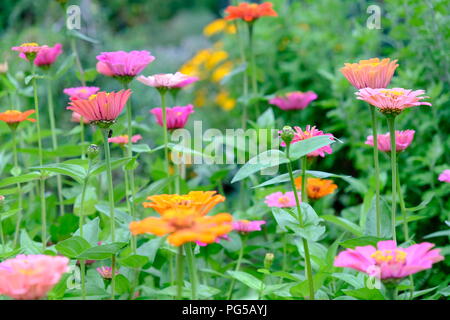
(150, 248)
(65, 66)
(267, 119)
(246, 279)
(90, 231)
(344, 223)
(302, 289)
(20, 179)
(100, 167)
(154, 188)
(285, 220)
(239, 69)
(140, 148)
(185, 150)
(122, 284)
(74, 171)
(29, 246)
(442, 233)
(90, 200)
(423, 204)
(72, 247)
(33, 76)
(303, 147)
(134, 261)
(82, 36)
(365, 294)
(285, 177)
(101, 252)
(360, 242)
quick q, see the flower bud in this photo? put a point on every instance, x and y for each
(287, 134)
(268, 259)
(92, 151)
(3, 67)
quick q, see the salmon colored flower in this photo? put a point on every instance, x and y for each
(82, 93)
(123, 140)
(402, 140)
(105, 272)
(445, 176)
(294, 100)
(310, 132)
(103, 108)
(184, 225)
(372, 73)
(316, 188)
(392, 101)
(48, 55)
(176, 117)
(246, 226)
(123, 64)
(14, 116)
(250, 11)
(281, 200)
(388, 261)
(28, 51)
(201, 201)
(30, 277)
(167, 80)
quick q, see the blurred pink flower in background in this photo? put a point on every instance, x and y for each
(372, 73)
(176, 117)
(167, 80)
(106, 272)
(294, 100)
(388, 261)
(402, 140)
(82, 93)
(30, 277)
(281, 200)
(121, 63)
(246, 226)
(48, 55)
(224, 237)
(445, 176)
(310, 132)
(28, 51)
(124, 139)
(76, 117)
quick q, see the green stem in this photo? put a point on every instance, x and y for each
(253, 64)
(77, 60)
(192, 269)
(377, 169)
(244, 76)
(166, 138)
(402, 206)
(392, 292)
(180, 273)
(391, 124)
(83, 278)
(238, 266)
(80, 226)
(19, 190)
(83, 154)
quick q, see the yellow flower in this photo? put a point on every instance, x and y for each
(224, 101)
(217, 26)
(215, 58)
(200, 97)
(222, 71)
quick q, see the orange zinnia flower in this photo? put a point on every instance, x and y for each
(250, 11)
(372, 73)
(317, 188)
(184, 225)
(200, 201)
(14, 117)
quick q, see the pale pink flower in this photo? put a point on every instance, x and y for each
(167, 80)
(30, 277)
(106, 272)
(122, 140)
(48, 55)
(281, 200)
(28, 51)
(402, 140)
(294, 100)
(388, 261)
(121, 63)
(176, 117)
(310, 132)
(445, 176)
(372, 73)
(246, 226)
(82, 93)
(76, 117)
(102, 107)
(392, 101)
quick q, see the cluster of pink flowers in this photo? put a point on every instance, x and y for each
(176, 117)
(281, 200)
(294, 100)
(402, 140)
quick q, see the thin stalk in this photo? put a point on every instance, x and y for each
(192, 269)
(180, 273)
(253, 64)
(391, 124)
(2, 236)
(238, 266)
(402, 206)
(51, 114)
(244, 76)
(166, 138)
(19, 190)
(77, 60)
(377, 169)
(83, 153)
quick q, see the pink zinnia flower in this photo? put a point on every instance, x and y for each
(281, 200)
(167, 80)
(28, 51)
(372, 73)
(246, 226)
(121, 63)
(392, 101)
(445, 176)
(122, 140)
(402, 140)
(82, 93)
(76, 117)
(310, 132)
(224, 237)
(176, 117)
(294, 100)
(30, 277)
(106, 272)
(388, 261)
(48, 55)
(101, 108)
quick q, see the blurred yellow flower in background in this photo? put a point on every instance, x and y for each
(222, 71)
(218, 26)
(224, 100)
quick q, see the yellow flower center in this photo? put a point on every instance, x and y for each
(29, 44)
(392, 93)
(283, 200)
(92, 96)
(179, 113)
(12, 112)
(389, 256)
(83, 90)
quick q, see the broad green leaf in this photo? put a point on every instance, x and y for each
(246, 279)
(423, 204)
(20, 179)
(140, 148)
(154, 188)
(90, 200)
(74, 171)
(365, 294)
(91, 231)
(344, 223)
(303, 147)
(285, 177)
(72, 247)
(101, 252)
(360, 242)
(267, 119)
(121, 216)
(443, 233)
(122, 284)
(150, 248)
(285, 220)
(100, 167)
(134, 261)
(29, 246)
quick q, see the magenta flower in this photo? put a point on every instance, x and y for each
(82, 93)
(48, 55)
(310, 132)
(388, 261)
(294, 100)
(167, 80)
(122, 140)
(392, 101)
(121, 63)
(28, 51)
(176, 117)
(402, 140)
(106, 272)
(445, 176)
(245, 226)
(281, 200)
(30, 277)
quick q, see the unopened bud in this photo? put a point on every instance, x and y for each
(287, 134)
(268, 260)
(3, 67)
(92, 151)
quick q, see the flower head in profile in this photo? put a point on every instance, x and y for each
(30, 277)
(294, 100)
(123, 64)
(445, 176)
(103, 108)
(250, 12)
(372, 73)
(392, 101)
(246, 226)
(402, 140)
(82, 93)
(28, 51)
(200, 201)
(48, 55)
(176, 117)
(123, 140)
(388, 261)
(184, 225)
(14, 117)
(167, 80)
(106, 272)
(310, 132)
(281, 200)
(316, 188)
